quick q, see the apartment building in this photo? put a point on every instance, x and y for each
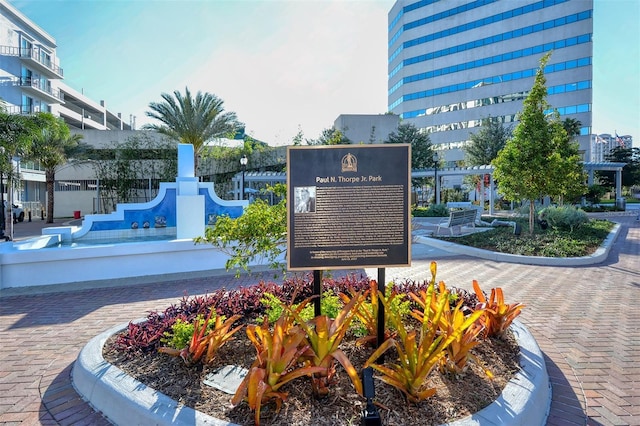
(603, 144)
(453, 63)
(31, 81)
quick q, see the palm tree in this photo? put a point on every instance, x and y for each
(192, 120)
(572, 127)
(52, 146)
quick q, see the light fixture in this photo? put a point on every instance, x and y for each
(243, 162)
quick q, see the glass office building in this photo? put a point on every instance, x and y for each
(453, 63)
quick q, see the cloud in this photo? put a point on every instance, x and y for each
(320, 60)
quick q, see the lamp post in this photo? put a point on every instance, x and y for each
(243, 163)
(3, 225)
(437, 189)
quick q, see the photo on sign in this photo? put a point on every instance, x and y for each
(305, 199)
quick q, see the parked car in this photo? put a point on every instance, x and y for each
(17, 210)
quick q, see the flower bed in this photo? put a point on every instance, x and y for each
(457, 394)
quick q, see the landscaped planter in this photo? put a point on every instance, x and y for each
(125, 401)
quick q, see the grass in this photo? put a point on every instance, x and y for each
(550, 242)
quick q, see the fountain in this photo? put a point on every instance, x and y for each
(136, 240)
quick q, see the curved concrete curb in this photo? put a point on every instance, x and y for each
(126, 401)
(527, 397)
(600, 255)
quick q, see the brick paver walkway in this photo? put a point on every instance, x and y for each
(585, 320)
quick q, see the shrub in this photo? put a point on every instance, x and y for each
(564, 217)
(434, 210)
(180, 334)
(594, 193)
(330, 305)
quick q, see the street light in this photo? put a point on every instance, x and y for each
(435, 178)
(243, 162)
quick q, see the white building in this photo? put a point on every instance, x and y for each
(453, 63)
(31, 81)
(601, 145)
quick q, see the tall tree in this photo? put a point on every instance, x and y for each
(422, 151)
(531, 165)
(572, 127)
(52, 146)
(630, 172)
(487, 142)
(568, 178)
(192, 120)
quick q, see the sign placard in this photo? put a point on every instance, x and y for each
(348, 206)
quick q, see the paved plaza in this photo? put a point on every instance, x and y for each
(585, 320)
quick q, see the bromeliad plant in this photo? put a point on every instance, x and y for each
(458, 353)
(277, 362)
(324, 336)
(367, 313)
(498, 315)
(419, 351)
(205, 341)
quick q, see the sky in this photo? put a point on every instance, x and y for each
(283, 66)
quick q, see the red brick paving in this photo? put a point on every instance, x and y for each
(585, 320)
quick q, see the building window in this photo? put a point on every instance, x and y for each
(25, 48)
(27, 105)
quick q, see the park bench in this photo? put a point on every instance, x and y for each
(458, 218)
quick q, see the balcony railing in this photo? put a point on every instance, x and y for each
(36, 83)
(24, 109)
(33, 55)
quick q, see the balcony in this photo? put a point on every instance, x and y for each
(31, 58)
(37, 88)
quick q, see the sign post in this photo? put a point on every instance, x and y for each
(348, 207)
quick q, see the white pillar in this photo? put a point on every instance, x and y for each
(190, 221)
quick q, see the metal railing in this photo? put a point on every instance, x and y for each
(36, 84)
(33, 54)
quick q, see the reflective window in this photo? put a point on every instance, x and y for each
(490, 80)
(511, 97)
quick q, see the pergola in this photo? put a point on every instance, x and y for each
(590, 167)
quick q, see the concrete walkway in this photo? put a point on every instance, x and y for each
(584, 319)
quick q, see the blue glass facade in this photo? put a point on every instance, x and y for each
(452, 63)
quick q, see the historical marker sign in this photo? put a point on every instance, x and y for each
(348, 206)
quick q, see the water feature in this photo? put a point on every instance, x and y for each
(136, 240)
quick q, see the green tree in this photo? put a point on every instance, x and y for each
(568, 177)
(192, 120)
(259, 233)
(532, 163)
(331, 136)
(422, 150)
(487, 142)
(630, 172)
(572, 127)
(15, 139)
(52, 146)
